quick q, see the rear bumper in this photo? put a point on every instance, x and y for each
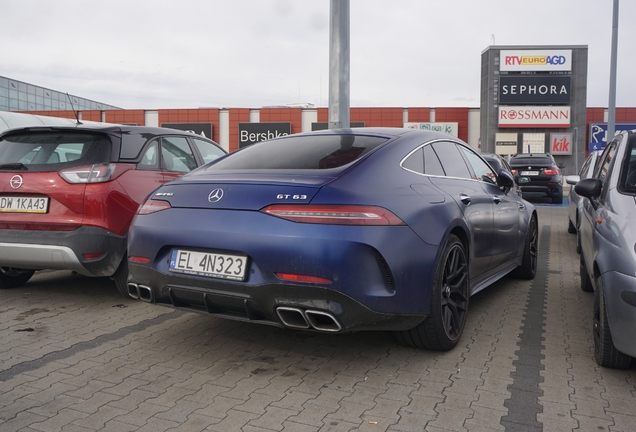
(540, 190)
(63, 250)
(294, 306)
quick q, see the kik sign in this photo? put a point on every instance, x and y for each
(561, 143)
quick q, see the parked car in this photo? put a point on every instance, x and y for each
(336, 231)
(540, 176)
(498, 162)
(574, 201)
(608, 238)
(69, 193)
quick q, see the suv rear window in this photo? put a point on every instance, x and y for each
(534, 160)
(53, 151)
(302, 152)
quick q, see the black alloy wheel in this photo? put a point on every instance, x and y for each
(442, 329)
(528, 267)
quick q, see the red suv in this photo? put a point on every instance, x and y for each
(68, 194)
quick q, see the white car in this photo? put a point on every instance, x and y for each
(574, 206)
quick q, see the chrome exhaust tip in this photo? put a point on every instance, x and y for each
(292, 317)
(145, 293)
(133, 291)
(322, 321)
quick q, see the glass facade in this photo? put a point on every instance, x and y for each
(20, 96)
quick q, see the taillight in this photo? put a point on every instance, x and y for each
(551, 171)
(89, 174)
(153, 206)
(334, 214)
(302, 278)
(514, 172)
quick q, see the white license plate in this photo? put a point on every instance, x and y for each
(12, 204)
(208, 264)
(529, 173)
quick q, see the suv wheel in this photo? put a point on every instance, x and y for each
(13, 277)
(121, 277)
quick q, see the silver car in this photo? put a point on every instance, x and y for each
(608, 250)
(574, 201)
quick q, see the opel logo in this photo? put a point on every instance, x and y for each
(215, 195)
(16, 181)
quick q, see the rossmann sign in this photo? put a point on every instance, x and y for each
(535, 90)
(535, 60)
(534, 116)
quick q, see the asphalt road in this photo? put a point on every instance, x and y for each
(75, 356)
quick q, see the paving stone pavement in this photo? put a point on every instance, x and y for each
(74, 356)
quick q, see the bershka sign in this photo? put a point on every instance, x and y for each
(534, 90)
(532, 116)
(251, 133)
(535, 60)
(561, 143)
(203, 129)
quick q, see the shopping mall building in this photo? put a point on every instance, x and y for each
(533, 99)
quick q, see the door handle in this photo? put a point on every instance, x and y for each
(496, 199)
(464, 198)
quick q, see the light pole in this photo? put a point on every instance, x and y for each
(611, 115)
(339, 65)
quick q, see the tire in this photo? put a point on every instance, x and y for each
(586, 282)
(605, 353)
(571, 227)
(528, 267)
(557, 200)
(121, 277)
(443, 328)
(578, 236)
(14, 277)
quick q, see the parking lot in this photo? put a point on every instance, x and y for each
(76, 356)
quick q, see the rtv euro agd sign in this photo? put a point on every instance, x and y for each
(535, 60)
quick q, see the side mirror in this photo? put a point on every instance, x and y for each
(505, 179)
(589, 188)
(572, 179)
(561, 165)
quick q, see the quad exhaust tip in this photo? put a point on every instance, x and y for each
(305, 319)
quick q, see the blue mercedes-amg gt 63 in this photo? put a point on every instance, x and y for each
(336, 231)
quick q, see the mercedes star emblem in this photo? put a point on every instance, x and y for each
(215, 195)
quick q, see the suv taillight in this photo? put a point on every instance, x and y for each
(551, 171)
(98, 173)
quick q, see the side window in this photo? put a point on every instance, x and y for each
(176, 155)
(606, 160)
(415, 162)
(432, 165)
(149, 158)
(481, 169)
(452, 161)
(583, 172)
(209, 151)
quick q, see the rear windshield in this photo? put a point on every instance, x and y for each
(301, 152)
(52, 151)
(537, 160)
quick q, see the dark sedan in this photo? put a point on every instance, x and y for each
(336, 231)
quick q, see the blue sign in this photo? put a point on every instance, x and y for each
(598, 134)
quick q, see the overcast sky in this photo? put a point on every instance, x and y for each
(253, 53)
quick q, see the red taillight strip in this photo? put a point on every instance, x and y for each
(334, 214)
(302, 278)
